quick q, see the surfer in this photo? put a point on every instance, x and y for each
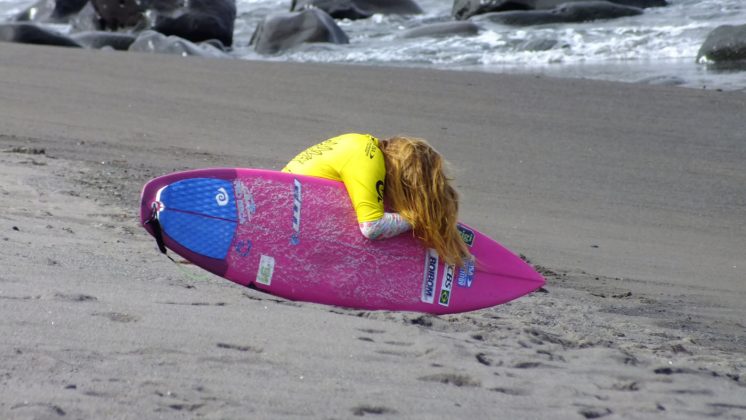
(404, 172)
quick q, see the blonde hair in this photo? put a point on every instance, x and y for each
(419, 190)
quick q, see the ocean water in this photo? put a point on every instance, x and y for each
(657, 47)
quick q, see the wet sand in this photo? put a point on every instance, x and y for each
(631, 199)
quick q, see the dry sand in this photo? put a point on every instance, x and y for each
(631, 199)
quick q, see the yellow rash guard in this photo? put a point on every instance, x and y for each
(354, 159)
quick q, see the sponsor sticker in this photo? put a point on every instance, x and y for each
(430, 279)
(445, 288)
(245, 201)
(266, 269)
(466, 274)
(467, 235)
(243, 248)
(221, 197)
(297, 202)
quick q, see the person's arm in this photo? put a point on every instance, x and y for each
(391, 224)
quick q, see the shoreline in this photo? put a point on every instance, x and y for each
(626, 196)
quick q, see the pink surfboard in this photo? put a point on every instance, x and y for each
(297, 237)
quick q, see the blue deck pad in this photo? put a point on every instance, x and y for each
(203, 235)
(207, 196)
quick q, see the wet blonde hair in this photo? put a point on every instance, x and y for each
(417, 187)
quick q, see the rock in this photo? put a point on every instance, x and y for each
(29, 33)
(281, 31)
(201, 20)
(358, 9)
(565, 13)
(641, 4)
(50, 11)
(66, 8)
(724, 44)
(100, 39)
(118, 14)
(155, 42)
(464, 9)
(442, 29)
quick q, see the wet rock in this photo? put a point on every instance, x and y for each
(443, 29)
(358, 9)
(281, 31)
(29, 33)
(725, 43)
(118, 14)
(464, 9)
(565, 13)
(201, 20)
(50, 11)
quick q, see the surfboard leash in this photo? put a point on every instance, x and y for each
(157, 231)
(158, 234)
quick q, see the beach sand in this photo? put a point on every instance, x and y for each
(630, 199)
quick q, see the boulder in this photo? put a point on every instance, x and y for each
(118, 14)
(281, 31)
(442, 29)
(564, 13)
(155, 42)
(464, 9)
(29, 33)
(724, 44)
(50, 11)
(358, 9)
(201, 20)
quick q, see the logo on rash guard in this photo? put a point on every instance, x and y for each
(431, 276)
(370, 149)
(379, 190)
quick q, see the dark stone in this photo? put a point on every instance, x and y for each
(51, 11)
(28, 33)
(358, 9)
(66, 8)
(565, 13)
(641, 4)
(442, 29)
(725, 43)
(202, 20)
(464, 9)
(281, 31)
(100, 39)
(118, 14)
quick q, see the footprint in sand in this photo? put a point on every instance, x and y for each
(451, 379)
(75, 297)
(117, 316)
(364, 409)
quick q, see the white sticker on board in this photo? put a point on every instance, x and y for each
(430, 278)
(266, 269)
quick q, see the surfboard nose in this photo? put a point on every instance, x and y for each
(197, 213)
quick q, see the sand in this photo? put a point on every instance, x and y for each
(630, 199)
